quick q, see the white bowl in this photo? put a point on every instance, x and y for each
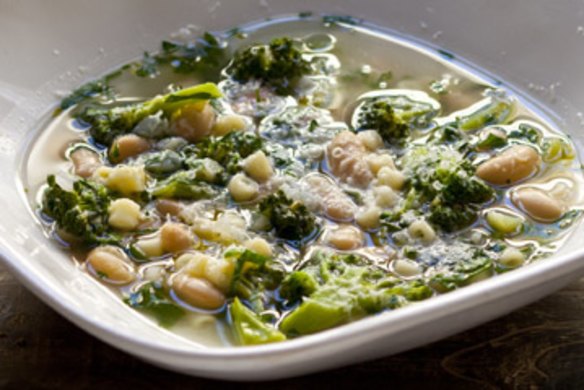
(533, 45)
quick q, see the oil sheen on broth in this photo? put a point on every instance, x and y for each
(334, 172)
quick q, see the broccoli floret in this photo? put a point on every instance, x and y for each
(446, 183)
(82, 212)
(279, 65)
(462, 186)
(108, 123)
(344, 288)
(228, 150)
(291, 219)
(451, 218)
(298, 284)
(381, 116)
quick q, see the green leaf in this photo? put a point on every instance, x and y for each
(184, 185)
(152, 299)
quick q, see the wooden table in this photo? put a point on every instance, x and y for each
(541, 345)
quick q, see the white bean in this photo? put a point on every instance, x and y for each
(126, 146)
(345, 238)
(176, 237)
(85, 161)
(197, 292)
(168, 207)
(110, 264)
(513, 165)
(537, 204)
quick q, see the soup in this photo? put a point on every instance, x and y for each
(280, 179)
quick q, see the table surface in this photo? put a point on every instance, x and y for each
(541, 345)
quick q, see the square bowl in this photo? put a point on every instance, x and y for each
(532, 45)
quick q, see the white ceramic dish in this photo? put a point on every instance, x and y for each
(534, 45)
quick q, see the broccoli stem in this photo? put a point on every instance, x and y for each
(249, 327)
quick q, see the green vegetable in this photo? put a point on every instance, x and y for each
(491, 111)
(152, 299)
(148, 66)
(453, 218)
(254, 277)
(108, 123)
(504, 223)
(95, 88)
(228, 150)
(340, 20)
(526, 132)
(279, 65)
(82, 212)
(460, 185)
(348, 289)
(163, 163)
(184, 185)
(298, 284)
(476, 266)
(245, 258)
(447, 183)
(206, 170)
(249, 327)
(205, 57)
(556, 149)
(380, 116)
(290, 219)
(492, 141)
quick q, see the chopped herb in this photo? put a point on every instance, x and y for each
(446, 54)
(340, 20)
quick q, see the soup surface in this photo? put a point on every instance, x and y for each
(276, 180)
